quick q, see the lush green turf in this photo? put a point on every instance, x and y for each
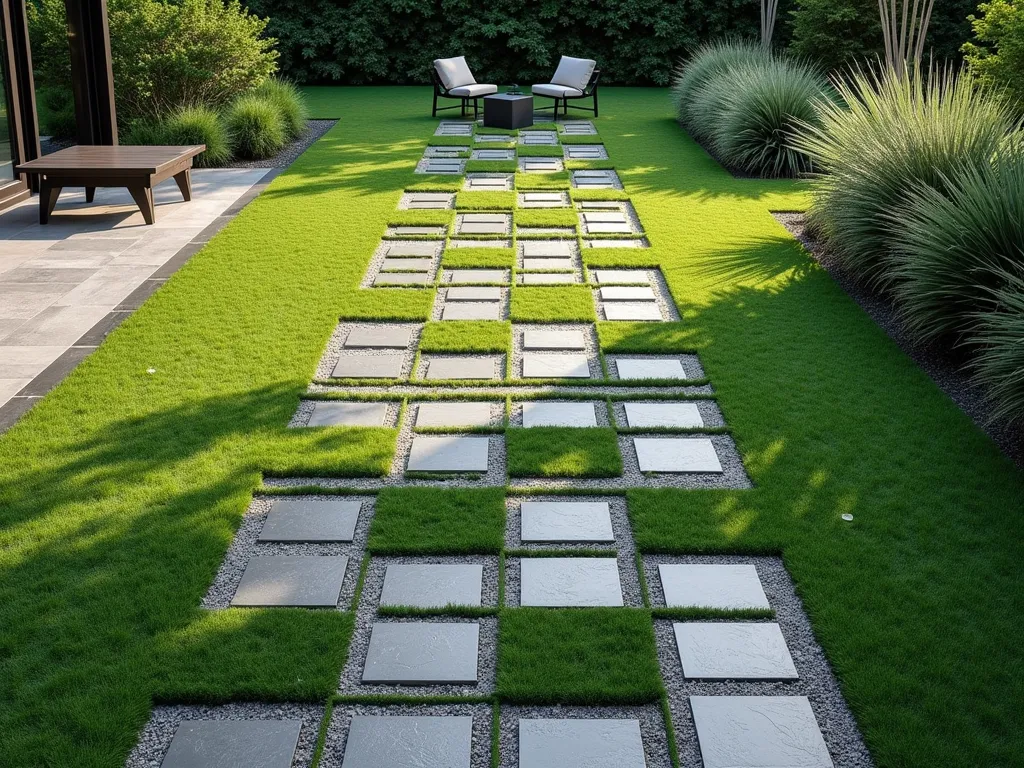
(485, 201)
(577, 656)
(557, 217)
(557, 180)
(552, 304)
(438, 522)
(466, 336)
(563, 452)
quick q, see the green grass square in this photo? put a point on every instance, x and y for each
(330, 452)
(598, 194)
(425, 183)
(461, 258)
(563, 452)
(433, 521)
(584, 656)
(450, 141)
(549, 217)
(466, 336)
(557, 180)
(421, 218)
(646, 338)
(491, 166)
(552, 304)
(540, 150)
(485, 201)
(593, 138)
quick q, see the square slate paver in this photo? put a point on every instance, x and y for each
(463, 368)
(626, 276)
(547, 248)
(327, 414)
(481, 228)
(219, 743)
(378, 337)
(412, 248)
(464, 310)
(552, 522)
(733, 651)
(627, 311)
(536, 338)
(404, 741)
(291, 581)
(679, 415)
(362, 366)
(555, 366)
(474, 293)
(402, 278)
(453, 415)
(601, 228)
(758, 732)
(549, 414)
(307, 520)
(724, 586)
(579, 743)
(448, 454)
(568, 582)
(552, 265)
(478, 275)
(676, 454)
(650, 369)
(595, 217)
(548, 278)
(402, 231)
(626, 293)
(422, 653)
(430, 585)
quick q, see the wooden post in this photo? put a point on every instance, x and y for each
(92, 77)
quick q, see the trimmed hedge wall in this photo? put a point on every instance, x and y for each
(636, 42)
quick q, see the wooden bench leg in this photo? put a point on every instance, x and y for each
(48, 195)
(90, 194)
(184, 181)
(143, 197)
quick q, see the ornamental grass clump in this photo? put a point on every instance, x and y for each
(998, 340)
(198, 125)
(256, 128)
(886, 137)
(290, 104)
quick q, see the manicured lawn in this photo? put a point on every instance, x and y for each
(438, 522)
(552, 304)
(563, 452)
(466, 336)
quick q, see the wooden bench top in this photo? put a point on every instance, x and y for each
(111, 161)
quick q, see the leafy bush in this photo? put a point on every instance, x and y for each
(199, 125)
(143, 133)
(56, 107)
(164, 55)
(998, 339)
(997, 53)
(836, 33)
(885, 137)
(290, 104)
(951, 250)
(255, 126)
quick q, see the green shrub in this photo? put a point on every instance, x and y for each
(290, 104)
(836, 33)
(998, 339)
(883, 138)
(951, 250)
(199, 125)
(996, 55)
(56, 111)
(144, 133)
(255, 126)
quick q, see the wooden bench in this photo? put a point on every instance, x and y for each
(137, 168)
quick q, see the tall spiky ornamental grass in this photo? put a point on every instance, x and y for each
(886, 136)
(763, 104)
(952, 251)
(998, 340)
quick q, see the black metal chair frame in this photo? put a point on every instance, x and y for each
(589, 92)
(444, 93)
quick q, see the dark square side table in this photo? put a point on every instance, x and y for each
(503, 110)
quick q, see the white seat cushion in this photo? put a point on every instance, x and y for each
(454, 72)
(475, 90)
(574, 73)
(555, 91)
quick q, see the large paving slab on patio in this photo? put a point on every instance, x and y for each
(222, 743)
(328, 414)
(408, 741)
(432, 585)
(291, 581)
(570, 582)
(723, 586)
(549, 522)
(311, 520)
(422, 653)
(448, 454)
(580, 743)
(733, 651)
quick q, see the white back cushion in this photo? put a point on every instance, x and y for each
(454, 72)
(574, 73)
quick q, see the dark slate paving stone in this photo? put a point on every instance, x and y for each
(357, 366)
(448, 453)
(579, 743)
(422, 653)
(348, 415)
(403, 741)
(291, 581)
(311, 520)
(432, 585)
(233, 744)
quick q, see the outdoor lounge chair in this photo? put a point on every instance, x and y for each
(574, 79)
(453, 80)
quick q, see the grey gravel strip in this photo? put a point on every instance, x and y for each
(817, 680)
(157, 734)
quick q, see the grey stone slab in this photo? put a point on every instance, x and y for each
(291, 581)
(594, 174)
(758, 732)
(412, 248)
(478, 293)
(626, 276)
(543, 197)
(378, 337)
(298, 519)
(547, 248)
(495, 154)
(599, 205)
(448, 454)
(479, 276)
(493, 138)
(463, 368)
(421, 653)
(407, 265)
(553, 278)
(603, 216)
(552, 522)
(427, 205)
(579, 743)
(627, 311)
(224, 743)
(620, 243)
(555, 367)
(536, 338)
(403, 741)
(471, 311)
(723, 586)
(361, 366)
(540, 165)
(733, 651)
(625, 293)
(499, 218)
(487, 183)
(402, 231)
(676, 454)
(678, 415)
(454, 414)
(479, 244)
(402, 278)
(670, 368)
(433, 197)
(601, 228)
(569, 582)
(552, 264)
(470, 228)
(432, 585)
(558, 414)
(330, 414)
